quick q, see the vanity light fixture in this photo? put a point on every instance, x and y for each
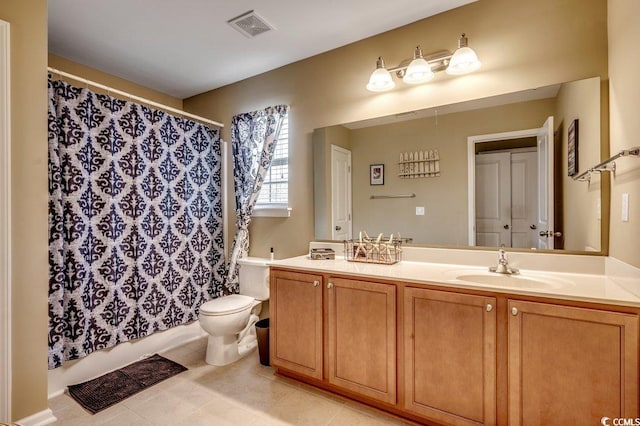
(421, 69)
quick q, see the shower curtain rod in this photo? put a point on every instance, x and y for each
(134, 97)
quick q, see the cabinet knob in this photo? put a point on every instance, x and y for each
(316, 283)
(330, 285)
(514, 311)
(489, 307)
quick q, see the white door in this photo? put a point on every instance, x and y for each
(524, 199)
(340, 193)
(493, 199)
(545, 185)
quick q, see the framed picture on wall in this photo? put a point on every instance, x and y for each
(572, 148)
(376, 174)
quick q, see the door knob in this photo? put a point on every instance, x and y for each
(533, 226)
(338, 228)
(506, 226)
(550, 234)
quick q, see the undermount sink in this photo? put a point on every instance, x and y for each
(523, 280)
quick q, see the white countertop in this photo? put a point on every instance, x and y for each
(595, 288)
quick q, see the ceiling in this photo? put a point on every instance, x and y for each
(183, 48)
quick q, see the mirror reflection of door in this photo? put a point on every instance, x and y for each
(340, 193)
(514, 188)
(506, 198)
(545, 141)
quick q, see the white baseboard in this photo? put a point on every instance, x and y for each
(42, 418)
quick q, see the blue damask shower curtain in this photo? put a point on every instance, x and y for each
(135, 221)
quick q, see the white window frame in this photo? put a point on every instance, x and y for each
(277, 209)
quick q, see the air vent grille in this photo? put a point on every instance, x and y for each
(250, 24)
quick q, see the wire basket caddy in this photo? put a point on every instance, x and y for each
(382, 250)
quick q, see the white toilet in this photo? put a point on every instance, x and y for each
(230, 320)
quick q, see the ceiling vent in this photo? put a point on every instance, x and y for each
(250, 24)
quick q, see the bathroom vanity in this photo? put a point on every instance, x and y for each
(458, 345)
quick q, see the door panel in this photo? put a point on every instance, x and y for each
(524, 199)
(545, 184)
(450, 356)
(571, 365)
(340, 193)
(493, 199)
(362, 337)
(296, 322)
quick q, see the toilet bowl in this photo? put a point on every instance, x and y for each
(230, 320)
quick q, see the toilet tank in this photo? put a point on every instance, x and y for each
(253, 277)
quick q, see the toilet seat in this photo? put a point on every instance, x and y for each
(226, 305)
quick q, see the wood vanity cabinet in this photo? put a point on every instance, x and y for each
(570, 365)
(450, 356)
(296, 338)
(463, 357)
(359, 327)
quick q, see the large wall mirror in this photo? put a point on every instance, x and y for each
(501, 175)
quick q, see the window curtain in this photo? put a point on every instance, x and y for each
(253, 140)
(135, 221)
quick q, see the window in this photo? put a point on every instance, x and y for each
(273, 199)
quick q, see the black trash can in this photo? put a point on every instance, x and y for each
(262, 333)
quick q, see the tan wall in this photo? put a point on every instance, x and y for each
(63, 64)
(28, 21)
(444, 197)
(624, 89)
(322, 140)
(581, 100)
(522, 44)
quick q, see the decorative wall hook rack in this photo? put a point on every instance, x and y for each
(607, 165)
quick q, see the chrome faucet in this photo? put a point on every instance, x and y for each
(503, 264)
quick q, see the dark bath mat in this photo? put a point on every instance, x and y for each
(111, 388)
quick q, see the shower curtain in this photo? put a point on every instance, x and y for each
(135, 221)
(254, 136)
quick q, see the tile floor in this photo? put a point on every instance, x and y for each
(243, 393)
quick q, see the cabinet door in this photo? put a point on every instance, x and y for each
(571, 365)
(296, 322)
(362, 337)
(450, 356)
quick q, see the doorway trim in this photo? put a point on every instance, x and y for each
(472, 141)
(5, 225)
